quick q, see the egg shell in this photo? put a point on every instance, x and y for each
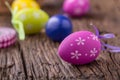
(22, 4)
(33, 20)
(81, 47)
(76, 7)
(58, 27)
(7, 37)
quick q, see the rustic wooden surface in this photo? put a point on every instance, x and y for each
(36, 58)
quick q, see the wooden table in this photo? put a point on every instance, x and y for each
(36, 58)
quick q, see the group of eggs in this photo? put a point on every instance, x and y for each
(28, 18)
(78, 48)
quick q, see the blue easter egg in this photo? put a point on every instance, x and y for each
(58, 27)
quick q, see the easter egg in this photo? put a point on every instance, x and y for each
(22, 4)
(58, 27)
(7, 37)
(33, 20)
(80, 48)
(76, 7)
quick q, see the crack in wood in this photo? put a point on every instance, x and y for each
(23, 61)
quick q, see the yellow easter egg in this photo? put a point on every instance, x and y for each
(22, 4)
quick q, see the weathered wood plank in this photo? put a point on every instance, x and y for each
(11, 66)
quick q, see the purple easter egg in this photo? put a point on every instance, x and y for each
(76, 7)
(80, 48)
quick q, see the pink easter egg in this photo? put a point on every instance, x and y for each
(76, 7)
(80, 48)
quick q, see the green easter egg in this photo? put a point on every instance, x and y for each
(33, 20)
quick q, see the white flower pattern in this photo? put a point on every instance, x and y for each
(23, 17)
(75, 55)
(94, 37)
(70, 1)
(93, 52)
(86, 54)
(36, 15)
(71, 44)
(81, 2)
(33, 4)
(80, 41)
(77, 11)
(24, 5)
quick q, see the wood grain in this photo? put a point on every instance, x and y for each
(36, 58)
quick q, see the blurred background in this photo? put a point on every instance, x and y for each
(43, 4)
(103, 11)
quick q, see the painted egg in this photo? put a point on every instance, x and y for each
(78, 8)
(22, 4)
(31, 20)
(7, 37)
(80, 48)
(58, 27)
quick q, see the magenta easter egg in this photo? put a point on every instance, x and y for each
(80, 48)
(76, 7)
